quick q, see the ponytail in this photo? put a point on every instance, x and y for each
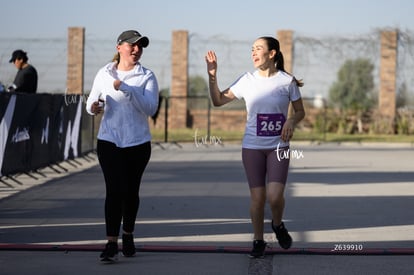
(116, 58)
(273, 44)
(280, 62)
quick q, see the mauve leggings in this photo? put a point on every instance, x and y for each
(122, 169)
(262, 163)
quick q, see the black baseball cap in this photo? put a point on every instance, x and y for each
(133, 37)
(18, 54)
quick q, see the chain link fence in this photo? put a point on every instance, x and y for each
(316, 60)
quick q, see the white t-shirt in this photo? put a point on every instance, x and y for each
(267, 102)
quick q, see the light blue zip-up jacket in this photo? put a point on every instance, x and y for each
(126, 112)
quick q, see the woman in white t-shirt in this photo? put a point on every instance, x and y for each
(267, 93)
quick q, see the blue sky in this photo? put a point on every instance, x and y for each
(236, 19)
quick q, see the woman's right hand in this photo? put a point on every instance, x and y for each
(211, 60)
(97, 107)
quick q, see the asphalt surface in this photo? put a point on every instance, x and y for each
(348, 208)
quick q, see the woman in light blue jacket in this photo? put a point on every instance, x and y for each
(127, 93)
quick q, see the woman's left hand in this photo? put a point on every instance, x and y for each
(287, 130)
(117, 84)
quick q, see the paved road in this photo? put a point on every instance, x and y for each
(349, 209)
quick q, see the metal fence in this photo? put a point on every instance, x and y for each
(316, 60)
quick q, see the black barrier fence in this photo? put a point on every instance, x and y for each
(38, 130)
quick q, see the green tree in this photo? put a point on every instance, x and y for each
(198, 92)
(402, 98)
(354, 87)
(165, 92)
(197, 86)
(353, 93)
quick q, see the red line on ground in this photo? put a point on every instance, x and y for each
(207, 249)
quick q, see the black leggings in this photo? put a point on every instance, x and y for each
(122, 169)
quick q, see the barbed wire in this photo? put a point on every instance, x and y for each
(316, 60)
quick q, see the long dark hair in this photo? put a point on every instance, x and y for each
(273, 44)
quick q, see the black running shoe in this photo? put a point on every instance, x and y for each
(110, 253)
(258, 250)
(282, 235)
(128, 246)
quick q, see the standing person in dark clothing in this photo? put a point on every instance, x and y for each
(26, 77)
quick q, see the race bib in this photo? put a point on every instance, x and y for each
(269, 124)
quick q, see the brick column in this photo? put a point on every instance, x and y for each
(75, 69)
(388, 75)
(177, 115)
(285, 38)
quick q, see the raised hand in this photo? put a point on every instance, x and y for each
(211, 60)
